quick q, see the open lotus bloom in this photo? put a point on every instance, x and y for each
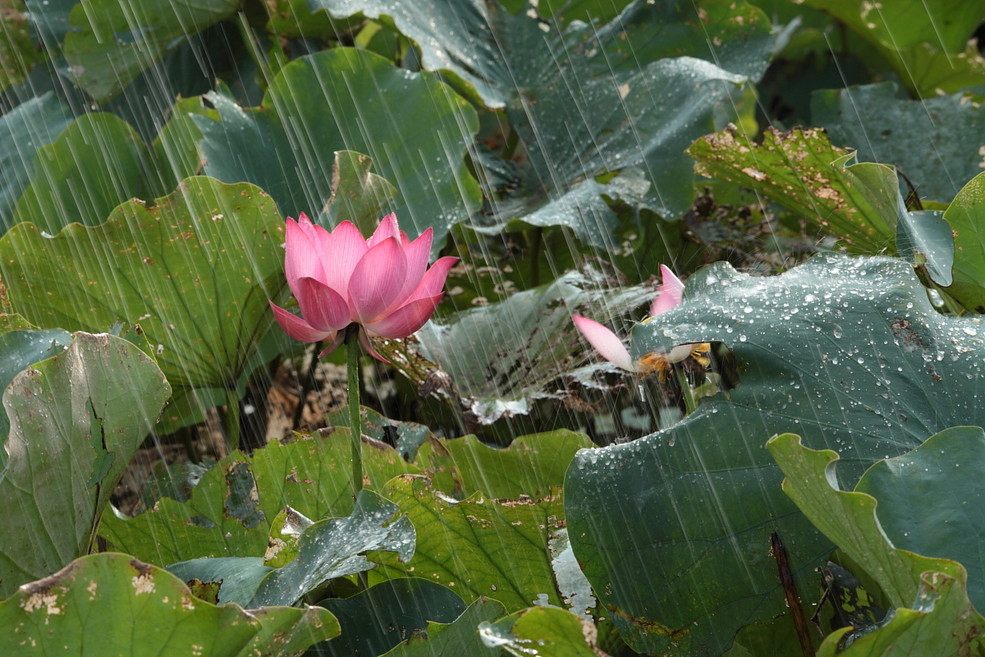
(611, 348)
(381, 284)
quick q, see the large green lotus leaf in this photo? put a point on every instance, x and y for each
(555, 633)
(927, 139)
(965, 218)
(112, 604)
(501, 357)
(480, 546)
(804, 172)
(75, 422)
(672, 530)
(532, 465)
(21, 348)
(915, 31)
(482, 48)
(335, 547)
(190, 275)
(23, 130)
(926, 497)
(110, 43)
(95, 164)
(933, 615)
(230, 511)
(647, 81)
(414, 127)
(459, 637)
(382, 616)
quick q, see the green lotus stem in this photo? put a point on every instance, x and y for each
(232, 418)
(355, 421)
(686, 392)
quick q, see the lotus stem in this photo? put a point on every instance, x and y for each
(355, 421)
(687, 394)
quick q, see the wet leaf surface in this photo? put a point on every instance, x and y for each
(145, 611)
(188, 277)
(303, 475)
(672, 530)
(75, 422)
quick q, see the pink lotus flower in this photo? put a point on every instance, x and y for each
(382, 284)
(608, 344)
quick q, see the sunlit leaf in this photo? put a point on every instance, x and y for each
(480, 546)
(933, 614)
(112, 604)
(230, 511)
(532, 465)
(189, 275)
(802, 171)
(964, 218)
(672, 530)
(110, 43)
(926, 139)
(913, 27)
(75, 422)
(547, 630)
(412, 125)
(459, 637)
(382, 616)
(335, 547)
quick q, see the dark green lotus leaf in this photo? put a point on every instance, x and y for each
(647, 82)
(459, 637)
(532, 465)
(926, 500)
(932, 615)
(21, 348)
(112, 604)
(382, 616)
(672, 530)
(482, 48)
(553, 631)
(964, 217)
(23, 130)
(109, 44)
(479, 546)
(95, 164)
(335, 547)
(189, 276)
(501, 357)
(237, 577)
(412, 125)
(75, 422)
(231, 510)
(927, 139)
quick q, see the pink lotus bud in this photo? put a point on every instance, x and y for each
(382, 284)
